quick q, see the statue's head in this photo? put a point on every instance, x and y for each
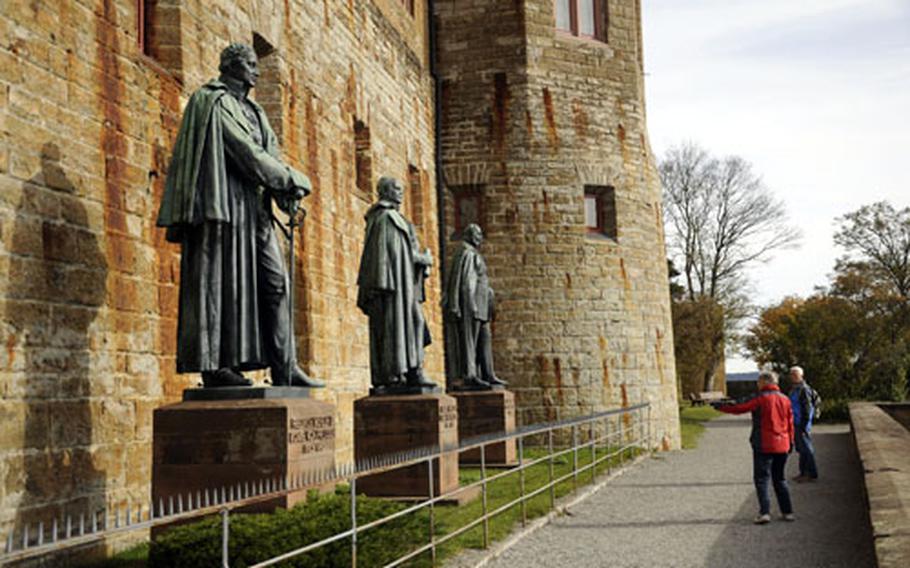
(239, 61)
(473, 234)
(390, 189)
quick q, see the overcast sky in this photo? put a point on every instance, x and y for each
(815, 93)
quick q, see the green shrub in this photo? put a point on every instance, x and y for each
(257, 537)
(835, 410)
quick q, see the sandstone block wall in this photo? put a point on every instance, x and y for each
(88, 286)
(532, 115)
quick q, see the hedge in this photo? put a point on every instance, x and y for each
(258, 537)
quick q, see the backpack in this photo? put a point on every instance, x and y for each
(816, 401)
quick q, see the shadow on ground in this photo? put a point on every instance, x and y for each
(832, 529)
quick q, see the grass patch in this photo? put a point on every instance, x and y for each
(691, 422)
(507, 488)
(448, 519)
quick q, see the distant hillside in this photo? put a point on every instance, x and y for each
(742, 377)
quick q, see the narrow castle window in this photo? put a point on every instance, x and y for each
(583, 18)
(144, 12)
(363, 159)
(600, 211)
(414, 196)
(468, 206)
(159, 36)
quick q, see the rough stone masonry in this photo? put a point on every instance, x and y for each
(90, 98)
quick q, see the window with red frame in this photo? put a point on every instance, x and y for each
(583, 18)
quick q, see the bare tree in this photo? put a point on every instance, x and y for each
(721, 219)
(880, 235)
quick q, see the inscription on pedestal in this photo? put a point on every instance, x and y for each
(312, 435)
(201, 445)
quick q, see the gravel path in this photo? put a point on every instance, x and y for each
(695, 508)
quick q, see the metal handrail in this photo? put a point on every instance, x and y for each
(223, 500)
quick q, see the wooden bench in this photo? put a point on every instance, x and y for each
(698, 399)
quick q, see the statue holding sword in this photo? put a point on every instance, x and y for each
(235, 306)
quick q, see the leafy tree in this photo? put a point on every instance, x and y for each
(852, 337)
(698, 334)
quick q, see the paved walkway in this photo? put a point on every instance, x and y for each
(695, 508)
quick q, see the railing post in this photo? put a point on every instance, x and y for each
(225, 538)
(575, 459)
(607, 445)
(552, 486)
(432, 493)
(622, 437)
(521, 480)
(593, 451)
(483, 486)
(650, 440)
(354, 522)
(641, 429)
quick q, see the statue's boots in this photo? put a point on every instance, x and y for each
(416, 378)
(495, 381)
(224, 378)
(476, 383)
(298, 379)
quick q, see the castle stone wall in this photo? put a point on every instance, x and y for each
(531, 116)
(88, 286)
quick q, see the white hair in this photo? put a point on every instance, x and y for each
(796, 369)
(768, 377)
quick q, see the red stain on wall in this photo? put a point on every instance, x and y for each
(550, 116)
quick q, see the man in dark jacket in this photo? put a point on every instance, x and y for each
(801, 399)
(772, 440)
(226, 169)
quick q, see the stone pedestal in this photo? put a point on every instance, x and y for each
(483, 413)
(207, 444)
(389, 424)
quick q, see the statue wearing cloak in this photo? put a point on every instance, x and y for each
(226, 168)
(467, 308)
(391, 291)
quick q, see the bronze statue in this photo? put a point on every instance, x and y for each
(225, 172)
(467, 307)
(390, 291)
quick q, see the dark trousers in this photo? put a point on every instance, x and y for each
(770, 467)
(806, 455)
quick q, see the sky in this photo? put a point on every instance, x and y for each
(814, 93)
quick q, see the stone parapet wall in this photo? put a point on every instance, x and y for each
(883, 444)
(88, 286)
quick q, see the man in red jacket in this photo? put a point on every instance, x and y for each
(772, 441)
